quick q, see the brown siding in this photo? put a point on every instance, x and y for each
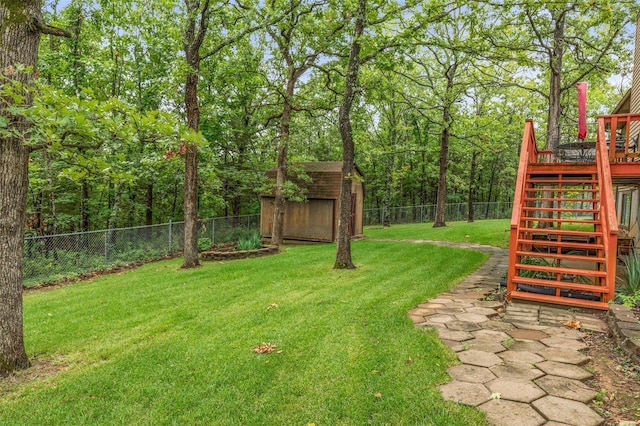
(315, 220)
(311, 221)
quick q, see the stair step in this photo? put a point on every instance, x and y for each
(562, 271)
(544, 298)
(561, 210)
(554, 231)
(559, 220)
(561, 284)
(578, 180)
(561, 256)
(564, 244)
(580, 190)
(563, 200)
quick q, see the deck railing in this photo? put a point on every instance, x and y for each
(624, 130)
(607, 203)
(528, 154)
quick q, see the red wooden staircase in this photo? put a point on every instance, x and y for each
(563, 229)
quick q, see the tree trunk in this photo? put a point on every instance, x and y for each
(442, 177)
(18, 45)
(84, 205)
(343, 255)
(277, 233)
(191, 177)
(148, 220)
(555, 85)
(444, 151)
(195, 32)
(472, 186)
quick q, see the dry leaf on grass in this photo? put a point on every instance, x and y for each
(272, 306)
(377, 395)
(575, 324)
(265, 348)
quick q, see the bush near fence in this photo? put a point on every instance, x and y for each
(53, 257)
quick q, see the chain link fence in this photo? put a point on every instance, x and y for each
(52, 257)
(427, 213)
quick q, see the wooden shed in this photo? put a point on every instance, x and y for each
(317, 218)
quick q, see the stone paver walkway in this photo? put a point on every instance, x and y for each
(521, 367)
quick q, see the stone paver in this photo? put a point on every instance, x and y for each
(569, 371)
(515, 389)
(516, 370)
(567, 356)
(462, 326)
(524, 357)
(563, 342)
(466, 393)
(495, 335)
(485, 345)
(508, 413)
(566, 388)
(458, 336)
(479, 358)
(527, 345)
(476, 318)
(521, 364)
(527, 334)
(567, 411)
(470, 373)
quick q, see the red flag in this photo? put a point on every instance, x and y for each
(582, 110)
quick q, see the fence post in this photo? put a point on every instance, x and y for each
(170, 226)
(106, 248)
(213, 231)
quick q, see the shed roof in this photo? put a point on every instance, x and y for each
(321, 166)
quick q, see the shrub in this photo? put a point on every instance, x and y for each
(252, 242)
(204, 244)
(630, 283)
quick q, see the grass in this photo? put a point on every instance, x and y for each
(490, 232)
(160, 345)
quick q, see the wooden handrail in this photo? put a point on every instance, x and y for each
(607, 203)
(528, 154)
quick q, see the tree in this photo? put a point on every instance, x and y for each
(21, 24)
(343, 254)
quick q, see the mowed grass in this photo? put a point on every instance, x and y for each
(490, 232)
(494, 232)
(159, 345)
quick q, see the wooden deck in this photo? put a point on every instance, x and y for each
(564, 232)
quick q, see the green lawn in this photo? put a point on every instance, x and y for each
(491, 232)
(160, 345)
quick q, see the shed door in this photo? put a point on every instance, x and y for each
(312, 220)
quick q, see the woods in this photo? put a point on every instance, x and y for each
(169, 109)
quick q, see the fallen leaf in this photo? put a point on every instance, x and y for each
(574, 324)
(377, 395)
(265, 348)
(496, 395)
(409, 360)
(272, 306)
(375, 371)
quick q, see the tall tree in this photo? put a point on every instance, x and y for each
(343, 253)
(21, 24)
(197, 25)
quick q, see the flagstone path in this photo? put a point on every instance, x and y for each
(522, 366)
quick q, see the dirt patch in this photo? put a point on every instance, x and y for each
(39, 370)
(616, 378)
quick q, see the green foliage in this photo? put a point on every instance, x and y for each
(254, 241)
(630, 282)
(177, 340)
(204, 243)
